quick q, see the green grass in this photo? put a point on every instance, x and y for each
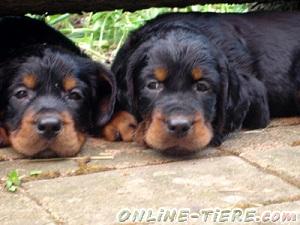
(101, 34)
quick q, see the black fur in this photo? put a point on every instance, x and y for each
(250, 62)
(29, 47)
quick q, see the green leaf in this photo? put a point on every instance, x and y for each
(12, 188)
(9, 183)
(13, 181)
(35, 172)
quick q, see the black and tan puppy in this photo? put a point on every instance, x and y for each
(192, 78)
(52, 95)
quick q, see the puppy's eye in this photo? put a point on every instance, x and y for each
(202, 86)
(75, 95)
(21, 94)
(154, 85)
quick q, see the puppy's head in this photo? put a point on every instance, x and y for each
(189, 83)
(175, 84)
(52, 100)
(178, 87)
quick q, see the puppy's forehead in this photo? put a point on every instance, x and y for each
(66, 82)
(169, 70)
(196, 73)
(30, 80)
(69, 82)
(50, 69)
(183, 60)
(160, 73)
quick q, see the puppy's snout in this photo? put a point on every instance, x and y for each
(49, 126)
(179, 125)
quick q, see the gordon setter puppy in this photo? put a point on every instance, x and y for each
(192, 78)
(52, 95)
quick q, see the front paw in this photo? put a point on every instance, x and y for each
(120, 128)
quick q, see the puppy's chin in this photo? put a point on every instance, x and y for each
(153, 133)
(60, 147)
(48, 149)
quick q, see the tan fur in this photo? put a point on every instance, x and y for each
(139, 136)
(69, 141)
(197, 73)
(157, 137)
(27, 141)
(30, 81)
(4, 139)
(69, 83)
(122, 125)
(160, 73)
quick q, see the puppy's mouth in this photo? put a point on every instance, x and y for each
(47, 135)
(176, 134)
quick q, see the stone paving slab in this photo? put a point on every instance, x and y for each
(275, 149)
(283, 207)
(16, 209)
(284, 121)
(281, 132)
(262, 139)
(213, 182)
(48, 170)
(7, 154)
(284, 162)
(112, 156)
(267, 215)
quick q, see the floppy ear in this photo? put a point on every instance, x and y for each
(105, 95)
(4, 137)
(242, 102)
(6, 75)
(126, 71)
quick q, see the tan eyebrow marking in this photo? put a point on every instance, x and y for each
(197, 73)
(69, 83)
(160, 73)
(30, 80)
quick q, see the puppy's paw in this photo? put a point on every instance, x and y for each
(120, 128)
(4, 139)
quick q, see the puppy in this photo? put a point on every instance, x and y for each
(52, 95)
(192, 78)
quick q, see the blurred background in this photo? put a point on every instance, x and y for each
(101, 34)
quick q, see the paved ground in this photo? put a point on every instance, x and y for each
(253, 170)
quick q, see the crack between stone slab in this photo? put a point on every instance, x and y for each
(285, 179)
(247, 205)
(281, 176)
(281, 201)
(91, 169)
(54, 218)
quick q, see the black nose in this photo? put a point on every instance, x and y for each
(49, 126)
(179, 126)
